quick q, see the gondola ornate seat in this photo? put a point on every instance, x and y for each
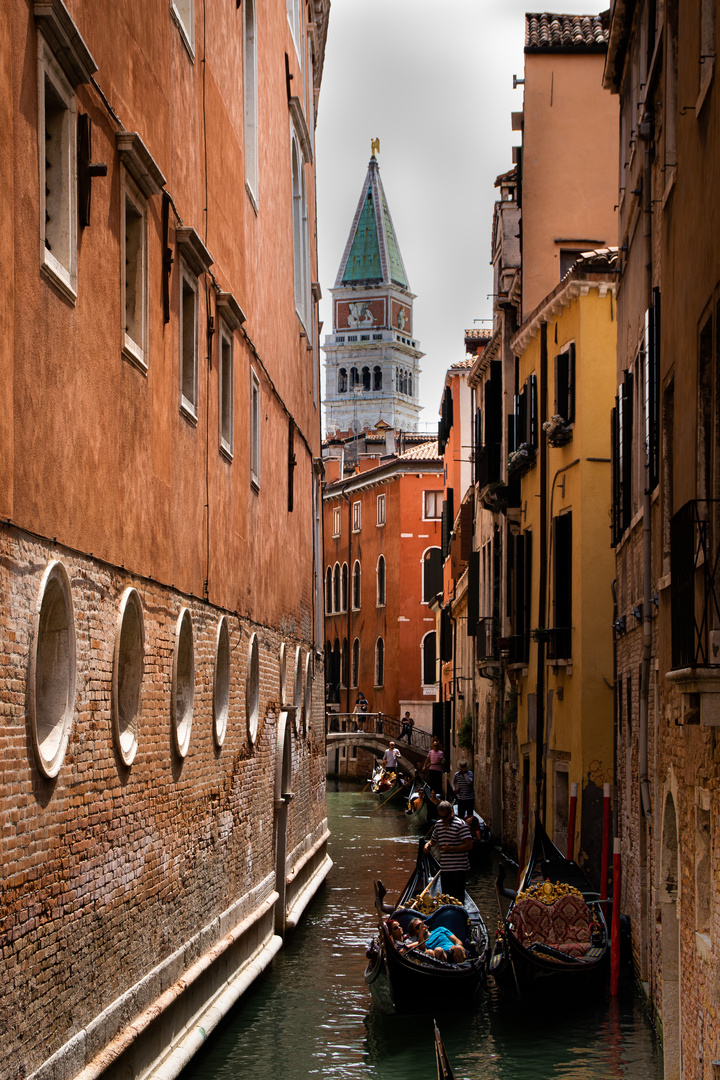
(566, 924)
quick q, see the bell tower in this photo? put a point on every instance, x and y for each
(372, 360)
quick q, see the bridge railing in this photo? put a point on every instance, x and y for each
(387, 727)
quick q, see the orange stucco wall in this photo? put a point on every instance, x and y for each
(96, 452)
(569, 186)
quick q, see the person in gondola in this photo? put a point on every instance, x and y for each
(455, 841)
(464, 789)
(439, 942)
(435, 762)
(391, 758)
(407, 727)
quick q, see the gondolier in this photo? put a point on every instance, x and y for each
(455, 841)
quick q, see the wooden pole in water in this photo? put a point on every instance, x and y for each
(604, 865)
(571, 822)
(615, 934)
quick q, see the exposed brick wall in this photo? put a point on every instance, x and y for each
(107, 870)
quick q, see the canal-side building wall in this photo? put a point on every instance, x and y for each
(665, 523)
(162, 797)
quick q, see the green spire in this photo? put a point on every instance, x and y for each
(372, 254)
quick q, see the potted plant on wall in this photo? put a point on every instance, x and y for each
(558, 430)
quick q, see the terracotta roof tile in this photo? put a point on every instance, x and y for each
(545, 30)
(427, 451)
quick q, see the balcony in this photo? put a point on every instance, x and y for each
(486, 638)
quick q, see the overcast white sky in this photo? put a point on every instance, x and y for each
(432, 79)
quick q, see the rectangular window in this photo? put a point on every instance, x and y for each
(381, 509)
(58, 174)
(336, 521)
(134, 273)
(255, 431)
(184, 15)
(356, 518)
(560, 644)
(432, 505)
(250, 110)
(188, 330)
(225, 388)
(565, 384)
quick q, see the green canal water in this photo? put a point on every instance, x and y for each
(310, 1014)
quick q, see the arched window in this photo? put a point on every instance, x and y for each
(432, 574)
(356, 585)
(336, 587)
(397, 379)
(366, 378)
(410, 384)
(342, 381)
(355, 670)
(328, 591)
(381, 581)
(335, 666)
(429, 656)
(379, 662)
(344, 594)
(354, 378)
(377, 378)
(344, 672)
(300, 237)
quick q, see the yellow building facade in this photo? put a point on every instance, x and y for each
(560, 562)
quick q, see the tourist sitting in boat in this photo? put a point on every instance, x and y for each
(439, 942)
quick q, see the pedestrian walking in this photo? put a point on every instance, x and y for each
(407, 726)
(434, 765)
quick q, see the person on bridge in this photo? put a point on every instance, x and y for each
(361, 708)
(391, 758)
(464, 789)
(407, 725)
(455, 841)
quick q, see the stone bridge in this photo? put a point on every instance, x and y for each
(373, 732)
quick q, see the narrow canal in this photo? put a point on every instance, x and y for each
(310, 1015)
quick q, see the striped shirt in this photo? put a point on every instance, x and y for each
(463, 784)
(452, 831)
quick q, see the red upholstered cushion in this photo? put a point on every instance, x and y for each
(533, 921)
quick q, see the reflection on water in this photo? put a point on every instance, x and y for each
(310, 1015)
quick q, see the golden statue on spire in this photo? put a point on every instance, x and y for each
(374, 147)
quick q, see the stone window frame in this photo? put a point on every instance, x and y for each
(300, 230)
(183, 682)
(221, 682)
(355, 663)
(307, 698)
(437, 499)
(250, 102)
(226, 391)
(188, 281)
(381, 582)
(380, 510)
(356, 586)
(59, 266)
(298, 690)
(135, 346)
(252, 689)
(356, 516)
(379, 678)
(337, 522)
(50, 735)
(294, 20)
(255, 430)
(127, 677)
(183, 15)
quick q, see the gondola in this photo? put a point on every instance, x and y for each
(481, 836)
(444, 1069)
(387, 784)
(554, 937)
(416, 809)
(409, 981)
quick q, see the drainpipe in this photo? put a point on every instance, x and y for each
(542, 584)
(646, 654)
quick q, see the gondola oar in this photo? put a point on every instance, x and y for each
(429, 885)
(383, 803)
(444, 1070)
